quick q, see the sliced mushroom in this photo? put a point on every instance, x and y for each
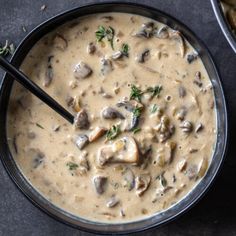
(81, 141)
(91, 48)
(134, 122)
(99, 183)
(146, 31)
(143, 56)
(192, 57)
(106, 66)
(199, 127)
(182, 91)
(165, 155)
(82, 71)
(112, 202)
(81, 120)
(176, 35)
(129, 178)
(162, 33)
(186, 126)
(181, 165)
(60, 42)
(117, 55)
(197, 79)
(37, 157)
(49, 73)
(124, 150)
(202, 167)
(111, 113)
(97, 133)
(142, 183)
(76, 104)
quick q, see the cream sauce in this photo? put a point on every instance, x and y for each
(176, 133)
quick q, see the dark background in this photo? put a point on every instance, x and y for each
(215, 214)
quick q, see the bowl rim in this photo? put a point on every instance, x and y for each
(224, 25)
(21, 182)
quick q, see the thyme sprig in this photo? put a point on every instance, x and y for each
(113, 132)
(108, 33)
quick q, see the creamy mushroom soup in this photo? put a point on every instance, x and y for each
(145, 122)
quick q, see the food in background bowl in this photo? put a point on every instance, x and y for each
(229, 9)
(145, 121)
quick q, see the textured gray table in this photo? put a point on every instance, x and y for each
(215, 214)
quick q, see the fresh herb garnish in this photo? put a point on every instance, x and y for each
(137, 111)
(72, 165)
(40, 126)
(135, 93)
(136, 130)
(162, 179)
(108, 33)
(125, 49)
(155, 91)
(7, 49)
(113, 132)
(153, 108)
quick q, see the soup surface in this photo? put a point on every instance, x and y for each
(145, 123)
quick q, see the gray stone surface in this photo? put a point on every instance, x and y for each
(215, 214)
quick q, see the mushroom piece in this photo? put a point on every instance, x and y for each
(117, 55)
(197, 79)
(202, 167)
(81, 120)
(231, 16)
(129, 105)
(60, 42)
(192, 171)
(129, 178)
(81, 141)
(37, 157)
(162, 33)
(186, 126)
(182, 91)
(91, 48)
(83, 165)
(199, 127)
(124, 150)
(97, 133)
(111, 113)
(177, 36)
(142, 183)
(99, 183)
(192, 57)
(146, 31)
(112, 202)
(82, 71)
(106, 66)
(49, 73)
(143, 56)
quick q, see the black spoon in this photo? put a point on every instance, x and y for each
(35, 89)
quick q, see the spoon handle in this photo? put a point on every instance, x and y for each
(35, 89)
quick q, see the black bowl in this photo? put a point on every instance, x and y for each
(224, 25)
(152, 221)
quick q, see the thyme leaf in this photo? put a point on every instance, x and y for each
(40, 126)
(136, 130)
(137, 111)
(113, 132)
(135, 93)
(7, 49)
(72, 165)
(108, 33)
(155, 91)
(153, 108)
(125, 49)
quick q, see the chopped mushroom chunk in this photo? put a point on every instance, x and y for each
(81, 120)
(82, 71)
(99, 183)
(60, 42)
(142, 183)
(123, 150)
